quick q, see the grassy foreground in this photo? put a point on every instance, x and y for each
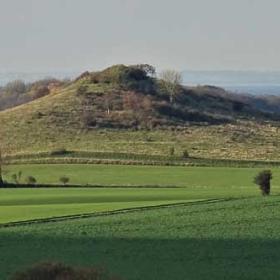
(117, 175)
(237, 239)
(29, 204)
(195, 184)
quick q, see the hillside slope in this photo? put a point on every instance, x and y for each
(123, 109)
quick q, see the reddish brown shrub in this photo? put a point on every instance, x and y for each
(58, 271)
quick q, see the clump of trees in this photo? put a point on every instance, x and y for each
(18, 92)
(56, 271)
(16, 87)
(263, 181)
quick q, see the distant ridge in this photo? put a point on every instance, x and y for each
(252, 82)
(30, 77)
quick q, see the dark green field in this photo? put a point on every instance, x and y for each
(235, 239)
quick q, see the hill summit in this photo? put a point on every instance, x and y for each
(132, 97)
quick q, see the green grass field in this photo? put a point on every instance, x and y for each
(223, 230)
(29, 204)
(118, 175)
(194, 184)
(236, 239)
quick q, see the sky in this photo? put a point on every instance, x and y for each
(79, 35)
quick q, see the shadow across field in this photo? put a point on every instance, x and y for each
(144, 258)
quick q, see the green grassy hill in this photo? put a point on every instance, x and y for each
(123, 110)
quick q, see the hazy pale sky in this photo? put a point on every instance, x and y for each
(77, 35)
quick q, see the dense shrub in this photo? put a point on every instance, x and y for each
(64, 180)
(57, 271)
(263, 180)
(40, 91)
(59, 152)
(30, 180)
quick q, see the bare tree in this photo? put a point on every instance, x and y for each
(171, 81)
(108, 102)
(16, 86)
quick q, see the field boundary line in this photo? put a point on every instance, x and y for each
(113, 212)
(120, 158)
(86, 186)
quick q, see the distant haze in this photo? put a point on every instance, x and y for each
(253, 82)
(77, 35)
(29, 77)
